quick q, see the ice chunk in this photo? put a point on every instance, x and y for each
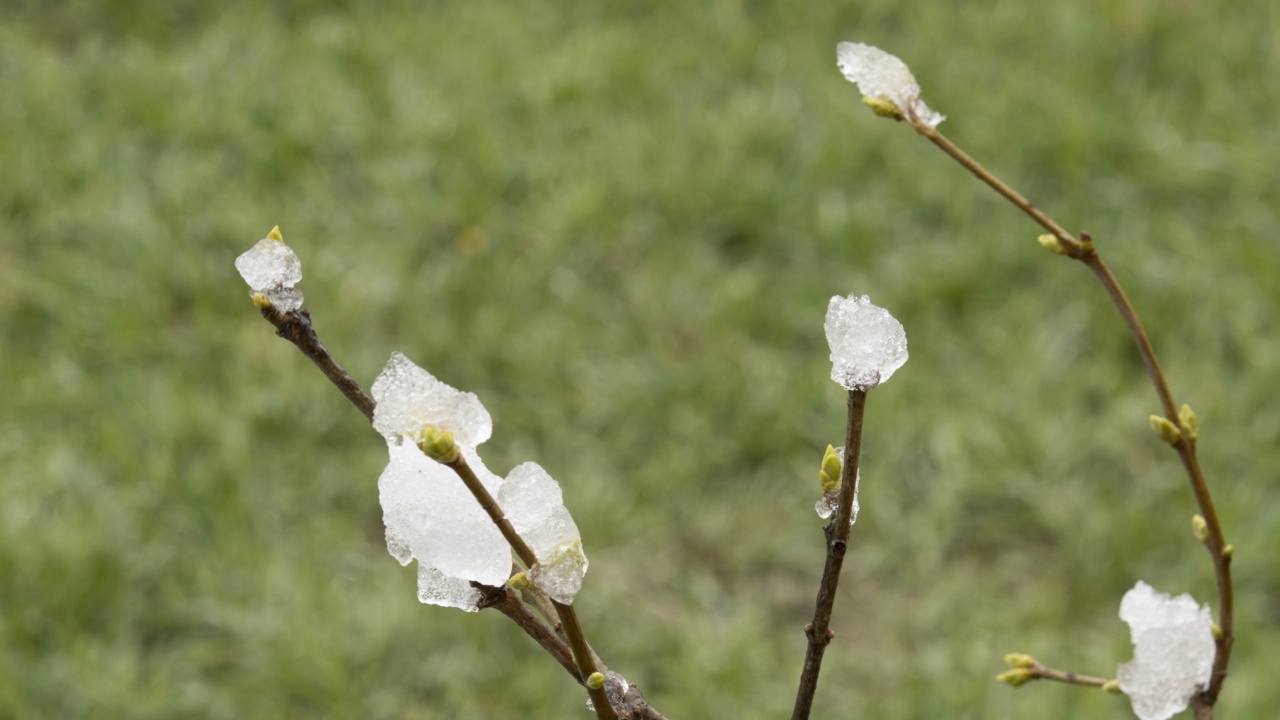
(409, 398)
(272, 268)
(1173, 651)
(534, 504)
(867, 343)
(884, 77)
(431, 517)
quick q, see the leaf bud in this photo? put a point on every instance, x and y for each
(438, 444)
(1187, 418)
(1167, 431)
(595, 680)
(1200, 527)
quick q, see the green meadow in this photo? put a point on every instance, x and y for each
(619, 224)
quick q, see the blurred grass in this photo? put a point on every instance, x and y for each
(619, 224)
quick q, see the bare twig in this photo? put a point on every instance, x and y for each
(1026, 669)
(295, 326)
(1082, 249)
(837, 534)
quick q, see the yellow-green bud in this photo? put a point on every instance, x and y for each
(595, 680)
(519, 581)
(1216, 629)
(882, 107)
(1019, 660)
(1016, 677)
(1200, 527)
(1167, 431)
(1113, 687)
(438, 444)
(1228, 551)
(832, 469)
(261, 300)
(1187, 418)
(275, 234)
(1052, 244)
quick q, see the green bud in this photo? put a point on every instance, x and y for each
(1113, 687)
(261, 300)
(1016, 677)
(519, 581)
(1227, 551)
(1216, 629)
(595, 680)
(1167, 431)
(1052, 244)
(275, 234)
(1200, 527)
(1187, 418)
(832, 469)
(882, 107)
(1019, 660)
(438, 444)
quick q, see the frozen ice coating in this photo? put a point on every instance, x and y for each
(1173, 651)
(534, 504)
(881, 76)
(867, 343)
(431, 517)
(409, 398)
(826, 507)
(272, 268)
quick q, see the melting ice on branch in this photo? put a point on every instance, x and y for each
(1173, 651)
(431, 517)
(272, 268)
(867, 343)
(881, 78)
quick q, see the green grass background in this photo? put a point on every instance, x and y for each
(619, 224)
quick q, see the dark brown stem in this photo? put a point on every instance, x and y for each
(295, 326)
(837, 534)
(1082, 249)
(504, 600)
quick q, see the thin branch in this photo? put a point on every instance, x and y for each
(1082, 249)
(837, 534)
(504, 600)
(295, 326)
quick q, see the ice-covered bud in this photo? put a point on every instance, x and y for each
(271, 269)
(519, 581)
(1187, 419)
(830, 501)
(883, 78)
(534, 503)
(1167, 431)
(867, 343)
(832, 469)
(1200, 527)
(1173, 651)
(410, 399)
(438, 444)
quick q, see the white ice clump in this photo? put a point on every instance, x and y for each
(409, 398)
(867, 343)
(884, 77)
(429, 514)
(272, 268)
(1173, 651)
(534, 504)
(826, 507)
(431, 517)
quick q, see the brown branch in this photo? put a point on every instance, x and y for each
(837, 534)
(1082, 249)
(1028, 669)
(295, 326)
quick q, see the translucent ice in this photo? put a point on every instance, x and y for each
(867, 343)
(883, 77)
(272, 268)
(409, 398)
(1173, 651)
(534, 504)
(431, 517)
